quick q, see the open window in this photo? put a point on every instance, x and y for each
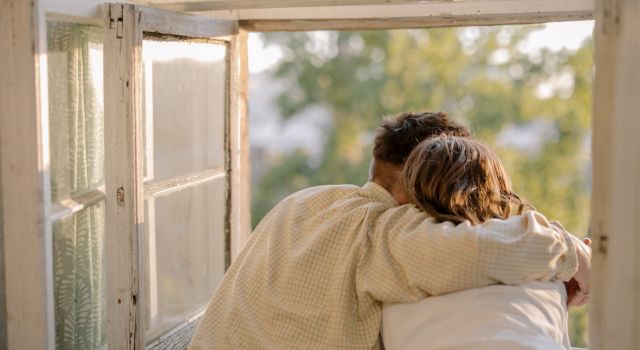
(96, 183)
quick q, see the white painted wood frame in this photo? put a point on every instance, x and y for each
(184, 24)
(366, 9)
(615, 302)
(155, 189)
(125, 26)
(240, 164)
(288, 15)
(123, 174)
(208, 5)
(25, 179)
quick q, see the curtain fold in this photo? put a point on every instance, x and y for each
(76, 127)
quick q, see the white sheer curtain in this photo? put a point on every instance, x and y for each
(76, 126)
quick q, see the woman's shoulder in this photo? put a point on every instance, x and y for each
(496, 316)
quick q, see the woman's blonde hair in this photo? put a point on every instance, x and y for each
(458, 178)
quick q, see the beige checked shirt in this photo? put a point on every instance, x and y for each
(318, 267)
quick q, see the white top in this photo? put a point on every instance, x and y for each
(530, 316)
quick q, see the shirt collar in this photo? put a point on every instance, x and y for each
(380, 193)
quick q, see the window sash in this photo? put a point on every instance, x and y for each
(125, 27)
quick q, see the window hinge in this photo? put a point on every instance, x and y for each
(120, 196)
(610, 12)
(603, 244)
(116, 19)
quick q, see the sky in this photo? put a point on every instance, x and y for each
(555, 35)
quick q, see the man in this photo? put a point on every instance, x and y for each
(319, 266)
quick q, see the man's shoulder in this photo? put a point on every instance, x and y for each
(341, 188)
(324, 193)
(329, 200)
(320, 200)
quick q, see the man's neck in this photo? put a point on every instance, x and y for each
(396, 189)
(389, 176)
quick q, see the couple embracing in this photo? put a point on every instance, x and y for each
(435, 252)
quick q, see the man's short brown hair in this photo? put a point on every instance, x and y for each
(398, 135)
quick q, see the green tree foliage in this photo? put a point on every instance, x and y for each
(481, 76)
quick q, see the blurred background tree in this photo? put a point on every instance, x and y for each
(532, 107)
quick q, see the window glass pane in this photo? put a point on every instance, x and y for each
(185, 104)
(79, 280)
(76, 112)
(184, 254)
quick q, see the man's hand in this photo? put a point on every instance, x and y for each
(578, 287)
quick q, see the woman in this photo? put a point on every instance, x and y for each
(457, 179)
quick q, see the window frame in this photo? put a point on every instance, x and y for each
(28, 284)
(26, 223)
(296, 15)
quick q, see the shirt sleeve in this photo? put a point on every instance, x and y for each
(409, 256)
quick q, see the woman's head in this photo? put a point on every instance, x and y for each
(457, 178)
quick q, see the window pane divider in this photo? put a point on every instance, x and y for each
(76, 203)
(161, 188)
(160, 21)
